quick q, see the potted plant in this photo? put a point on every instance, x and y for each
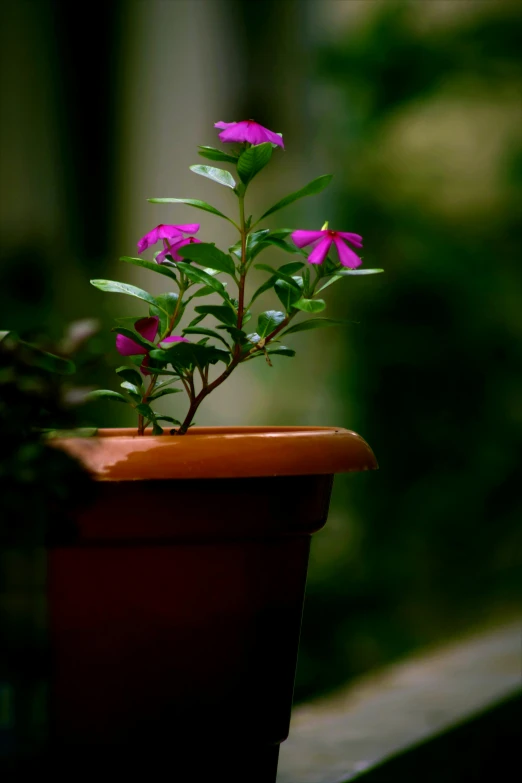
(174, 611)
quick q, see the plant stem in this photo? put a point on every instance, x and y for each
(196, 400)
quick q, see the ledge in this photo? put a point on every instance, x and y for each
(394, 712)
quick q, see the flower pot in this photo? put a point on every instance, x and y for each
(174, 610)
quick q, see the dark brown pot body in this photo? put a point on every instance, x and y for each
(174, 603)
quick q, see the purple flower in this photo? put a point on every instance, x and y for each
(249, 131)
(323, 241)
(166, 233)
(148, 328)
(171, 249)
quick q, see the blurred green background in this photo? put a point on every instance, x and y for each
(416, 109)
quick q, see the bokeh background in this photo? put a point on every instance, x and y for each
(416, 109)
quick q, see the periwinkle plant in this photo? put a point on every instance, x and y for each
(167, 363)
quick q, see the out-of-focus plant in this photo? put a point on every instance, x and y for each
(38, 485)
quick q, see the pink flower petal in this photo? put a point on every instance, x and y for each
(346, 256)
(144, 366)
(173, 339)
(127, 347)
(176, 246)
(188, 228)
(148, 327)
(303, 238)
(318, 255)
(160, 232)
(248, 131)
(355, 239)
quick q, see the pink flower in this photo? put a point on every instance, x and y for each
(324, 240)
(171, 248)
(148, 328)
(166, 233)
(249, 131)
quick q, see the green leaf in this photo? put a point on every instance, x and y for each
(130, 375)
(199, 276)
(191, 202)
(310, 305)
(211, 153)
(145, 410)
(209, 255)
(48, 361)
(345, 272)
(208, 332)
(269, 321)
(279, 274)
(163, 392)
(131, 388)
(292, 267)
(287, 294)
(312, 323)
(281, 350)
(238, 335)
(4, 334)
(156, 429)
(132, 334)
(107, 394)
(112, 286)
(313, 187)
(286, 246)
(188, 355)
(161, 417)
(166, 307)
(223, 313)
(252, 160)
(333, 279)
(221, 176)
(161, 269)
(262, 288)
(197, 320)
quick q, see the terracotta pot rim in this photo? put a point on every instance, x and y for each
(119, 454)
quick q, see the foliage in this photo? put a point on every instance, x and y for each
(194, 267)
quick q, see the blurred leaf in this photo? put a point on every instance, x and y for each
(108, 395)
(313, 323)
(145, 410)
(221, 176)
(209, 255)
(211, 153)
(314, 187)
(269, 321)
(191, 202)
(161, 269)
(345, 272)
(310, 305)
(252, 160)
